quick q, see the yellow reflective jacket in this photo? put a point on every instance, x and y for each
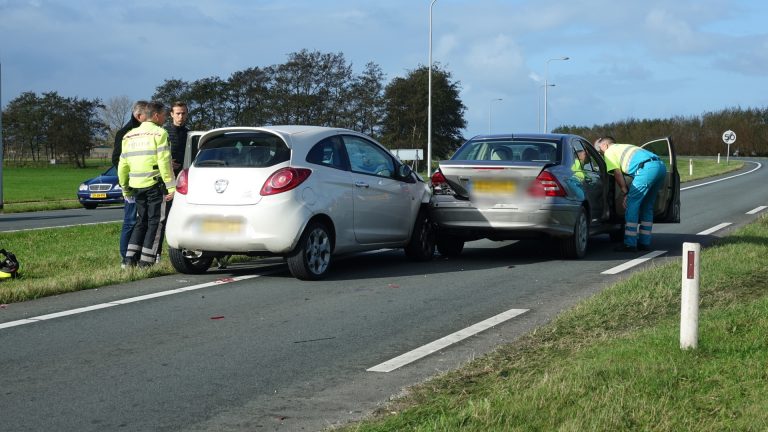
(146, 159)
(619, 156)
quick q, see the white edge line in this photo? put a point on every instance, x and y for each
(635, 262)
(715, 228)
(757, 210)
(123, 301)
(425, 350)
(725, 178)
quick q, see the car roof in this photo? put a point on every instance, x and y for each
(291, 134)
(546, 136)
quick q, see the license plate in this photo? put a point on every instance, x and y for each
(98, 195)
(494, 186)
(222, 226)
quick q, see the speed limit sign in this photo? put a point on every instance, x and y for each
(729, 137)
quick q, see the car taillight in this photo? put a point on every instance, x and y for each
(546, 185)
(440, 185)
(284, 180)
(182, 183)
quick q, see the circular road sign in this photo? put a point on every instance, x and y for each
(729, 137)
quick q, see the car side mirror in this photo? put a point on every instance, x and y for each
(404, 171)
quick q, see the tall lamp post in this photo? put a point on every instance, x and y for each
(538, 100)
(489, 112)
(429, 102)
(546, 84)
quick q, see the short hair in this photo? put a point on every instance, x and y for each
(139, 106)
(179, 104)
(154, 107)
(610, 139)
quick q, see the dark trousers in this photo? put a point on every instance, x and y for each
(129, 220)
(150, 207)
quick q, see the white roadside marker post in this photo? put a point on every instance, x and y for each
(690, 167)
(689, 306)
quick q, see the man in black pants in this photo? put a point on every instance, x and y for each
(145, 173)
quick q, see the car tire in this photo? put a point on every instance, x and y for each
(575, 246)
(189, 261)
(421, 246)
(449, 246)
(311, 258)
(90, 206)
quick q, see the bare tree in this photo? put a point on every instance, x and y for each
(115, 113)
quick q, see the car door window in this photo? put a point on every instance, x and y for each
(328, 152)
(366, 157)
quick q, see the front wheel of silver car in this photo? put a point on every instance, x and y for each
(575, 246)
(421, 246)
(312, 256)
(189, 261)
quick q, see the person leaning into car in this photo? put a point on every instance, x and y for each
(648, 172)
(145, 173)
(129, 209)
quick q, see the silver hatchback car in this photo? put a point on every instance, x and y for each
(509, 187)
(306, 193)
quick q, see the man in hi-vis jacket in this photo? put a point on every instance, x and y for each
(648, 173)
(145, 172)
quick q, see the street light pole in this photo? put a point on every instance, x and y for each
(489, 113)
(538, 111)
(546, 84)
(429, 102)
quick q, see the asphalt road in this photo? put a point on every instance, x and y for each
(259, 350)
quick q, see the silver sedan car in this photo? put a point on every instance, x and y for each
(509, 187)
(306, 193)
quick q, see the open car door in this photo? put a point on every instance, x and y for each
(667, 207)
(193, 137)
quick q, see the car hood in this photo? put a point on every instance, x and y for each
(101, 179)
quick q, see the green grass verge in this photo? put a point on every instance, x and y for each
(50, 188)
(613, 362)
(59, 260)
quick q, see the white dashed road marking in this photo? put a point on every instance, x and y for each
(425, 350)
(715, 228)
(634, 262)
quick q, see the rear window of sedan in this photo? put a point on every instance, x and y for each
(243, 151)
(508, 150)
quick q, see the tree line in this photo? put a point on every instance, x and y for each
(318, 88)
(694, 135)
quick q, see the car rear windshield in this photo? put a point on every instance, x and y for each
(509, 150)
(246, 150)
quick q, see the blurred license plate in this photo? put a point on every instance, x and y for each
(98, 195)
(494, 186)
(222, 226)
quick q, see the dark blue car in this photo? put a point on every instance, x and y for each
(100, 190)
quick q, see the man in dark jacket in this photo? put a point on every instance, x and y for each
(177, 134)
(129, 211)
(177, 138)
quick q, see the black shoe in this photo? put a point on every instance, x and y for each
(625, 248)
(644, 248)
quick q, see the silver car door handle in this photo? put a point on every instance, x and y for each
(361, 184)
